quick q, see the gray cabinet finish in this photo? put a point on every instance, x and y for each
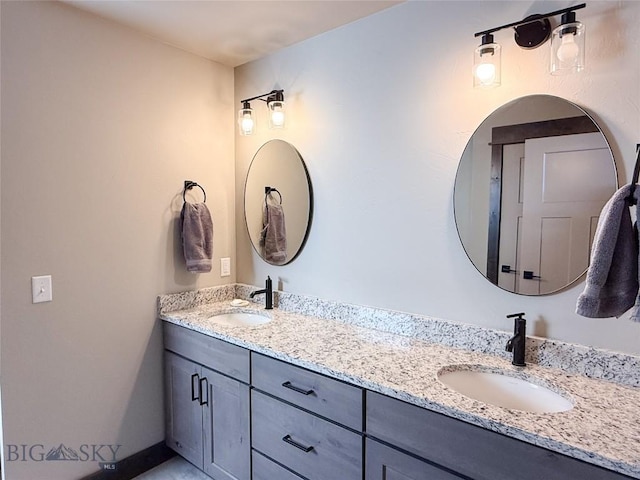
(227, 446)
(333, 399)
(183, 416)
(207, 413)
(467, 449)
(336, 453)
(265, 469)
(385, 463)
(217, 354)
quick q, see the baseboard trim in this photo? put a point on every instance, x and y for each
(136, 464)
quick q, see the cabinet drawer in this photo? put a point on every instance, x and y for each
(313, 447)
(325, 396)
(216, 354)
(386, 463)
(265, 469)
(467, 449)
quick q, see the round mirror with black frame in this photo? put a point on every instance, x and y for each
(278, 202)
(529, 188)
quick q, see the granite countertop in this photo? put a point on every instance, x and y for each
(603, 428)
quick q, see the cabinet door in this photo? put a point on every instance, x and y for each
(385, 463)
(183, 413)
(227, 447)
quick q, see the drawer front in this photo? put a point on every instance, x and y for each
(313, 447)
(265, 469)
(215, 354)
(470, 450)
(325, 396)
(386, 463)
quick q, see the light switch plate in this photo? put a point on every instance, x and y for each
(41, 289)
(225, 267)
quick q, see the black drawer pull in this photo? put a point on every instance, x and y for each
(297, 389)
(290, 441)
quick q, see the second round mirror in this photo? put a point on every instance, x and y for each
(530, 186)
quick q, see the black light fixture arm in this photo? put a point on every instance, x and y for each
(531, 19)
(271, 96)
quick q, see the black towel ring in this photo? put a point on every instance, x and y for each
(634, 179)
(188, 185)
(268, 190)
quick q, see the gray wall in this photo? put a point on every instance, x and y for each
(381, 111)
(100, 127)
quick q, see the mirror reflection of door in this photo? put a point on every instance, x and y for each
(511, 217)
(551, 211)
(493, 194)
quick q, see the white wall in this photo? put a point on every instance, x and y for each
(100, 127)
(381, 111)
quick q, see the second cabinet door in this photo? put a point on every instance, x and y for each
(227, 445)
(385, 463)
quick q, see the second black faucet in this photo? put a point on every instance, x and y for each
(268, 294)
(518, 343)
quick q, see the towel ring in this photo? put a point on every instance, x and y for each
(634, 179)
(188, 185)
(268, 190)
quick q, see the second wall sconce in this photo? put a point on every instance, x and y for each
(275, 107)
(567, 45)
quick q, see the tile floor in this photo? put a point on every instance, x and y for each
(175, 469)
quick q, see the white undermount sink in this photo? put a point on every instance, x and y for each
(239, 319)
(503, 389)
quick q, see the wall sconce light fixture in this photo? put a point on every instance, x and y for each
(567, 45)
(486, 63)
(275, 106)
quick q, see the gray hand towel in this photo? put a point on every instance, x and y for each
(273, 237)
(635, 312)
(612, 279)
(197, 237)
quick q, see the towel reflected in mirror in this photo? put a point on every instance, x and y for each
(273, 238)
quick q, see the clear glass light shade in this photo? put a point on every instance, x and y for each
(246, 121)
(486, 66)
(567, 49)
(276, 114)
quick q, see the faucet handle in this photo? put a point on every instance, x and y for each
(516, 315)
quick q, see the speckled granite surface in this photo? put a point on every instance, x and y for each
(603, 428)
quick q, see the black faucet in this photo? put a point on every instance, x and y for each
(268, 294)
(517, 343)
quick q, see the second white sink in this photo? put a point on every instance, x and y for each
(238, 319)
(503, 389)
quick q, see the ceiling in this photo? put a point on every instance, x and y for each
(233, 32)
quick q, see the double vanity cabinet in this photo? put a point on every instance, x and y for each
(241, 415)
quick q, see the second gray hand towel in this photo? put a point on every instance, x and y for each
(635, 312)
(274, 235)
(612, 279)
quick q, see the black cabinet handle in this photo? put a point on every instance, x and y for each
(507, 269)
(202, 400)
(290, 441)
(290, 386)
(193, 390)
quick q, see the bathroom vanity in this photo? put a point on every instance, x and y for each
(302, 397)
